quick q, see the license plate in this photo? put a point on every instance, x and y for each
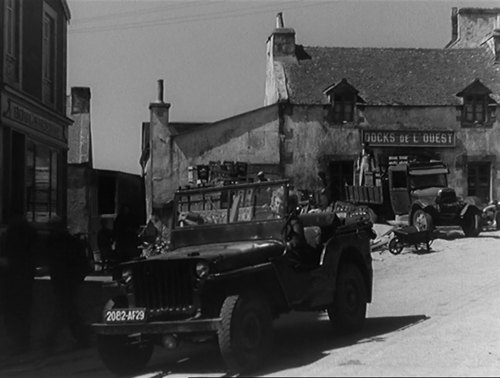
(125, 315)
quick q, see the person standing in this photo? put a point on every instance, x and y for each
(68, 267)
(20, 239)
(366, 163)
(125, 232)
(105, 243)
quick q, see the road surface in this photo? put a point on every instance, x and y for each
(433, 314)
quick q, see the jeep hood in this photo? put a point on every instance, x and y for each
(230, 255)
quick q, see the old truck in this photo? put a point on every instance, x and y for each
(227, 274)
(419, 190)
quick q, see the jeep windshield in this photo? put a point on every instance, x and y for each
(230, 204)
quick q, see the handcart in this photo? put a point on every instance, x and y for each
(407, 236)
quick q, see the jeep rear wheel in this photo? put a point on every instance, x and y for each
(245, 336)
(472, 224)
(422, 220)
(347, 313)
(122, 355)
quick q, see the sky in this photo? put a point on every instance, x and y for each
(211, 54)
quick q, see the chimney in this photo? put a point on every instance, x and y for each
(454, 24)
(79, 134)
(496, 45)
(279, 21)
(158, 176)
(473, 26)
(281, 43)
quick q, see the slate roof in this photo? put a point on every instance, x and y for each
(391, 76)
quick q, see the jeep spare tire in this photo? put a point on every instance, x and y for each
(246, 333)
(471, 224)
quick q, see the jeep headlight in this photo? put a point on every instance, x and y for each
(202, 269)
(126, 276)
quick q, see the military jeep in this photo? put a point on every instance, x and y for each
(227, 274)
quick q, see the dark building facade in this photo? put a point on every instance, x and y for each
(33, 122)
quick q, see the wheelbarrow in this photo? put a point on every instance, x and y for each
(409, 235)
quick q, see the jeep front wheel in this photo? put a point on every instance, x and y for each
(347, 313)
(122, 355)
(422, 220)
(471, 224)
(245, 336)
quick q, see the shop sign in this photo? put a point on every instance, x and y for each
(409, 138)
(27, 117)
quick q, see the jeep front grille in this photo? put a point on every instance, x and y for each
(163, 284)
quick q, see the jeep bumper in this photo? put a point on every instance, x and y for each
(178, 326)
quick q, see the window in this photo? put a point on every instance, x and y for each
(478, 107)
(343, 108)
(475, 108)
(49, 34)
(12, 40)
(42, 167)
(343, 97)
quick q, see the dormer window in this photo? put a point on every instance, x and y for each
(343, 97)
(343, 108)
(478, 107)
(475, 109)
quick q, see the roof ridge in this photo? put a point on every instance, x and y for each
(395, 48)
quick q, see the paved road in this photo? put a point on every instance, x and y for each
(433, 314)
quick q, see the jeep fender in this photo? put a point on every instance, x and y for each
(470, 207)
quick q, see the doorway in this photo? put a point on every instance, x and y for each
(478, 180)
(341, 174)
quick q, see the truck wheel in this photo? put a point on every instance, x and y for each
(348, 311)
(395, 246)
(123, 356)
(497, 219)
(246, 333)
(422, 220)
(472, 224)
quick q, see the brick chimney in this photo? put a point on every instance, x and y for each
(280, 48)
(472, 27)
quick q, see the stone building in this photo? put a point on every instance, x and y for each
(33, 122)
(322, 103)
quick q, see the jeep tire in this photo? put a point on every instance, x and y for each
(471, 224)
(123, 356)
(422, 220)
(246, 333)
(347, 313)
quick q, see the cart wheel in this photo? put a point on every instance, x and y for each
(395, 246)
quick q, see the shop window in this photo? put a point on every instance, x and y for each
(42, 183)
(12, 40)
(344, 99)
(49, 49)
(478, 107)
